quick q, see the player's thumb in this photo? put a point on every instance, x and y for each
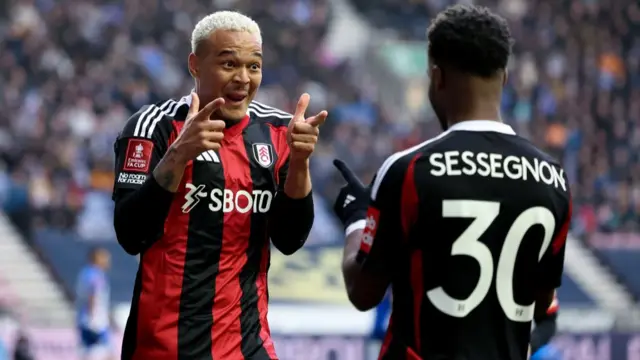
(346, 172)
(194, 107)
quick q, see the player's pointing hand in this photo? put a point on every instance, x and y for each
(353, 199)
(199, 132)
(302, 135)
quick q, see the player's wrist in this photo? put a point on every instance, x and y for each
(297, 164)
(178, 153)
(355, 226)
(353, 216)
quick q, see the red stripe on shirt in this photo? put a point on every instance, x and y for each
(554, 306)
(281, 148)
(409, 215)
(263, 301)
(159, 304)
(561, 238)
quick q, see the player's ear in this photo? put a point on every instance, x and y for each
(193, 65)
(437, 77)
(505, 77)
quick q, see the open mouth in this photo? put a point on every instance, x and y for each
(236, 98)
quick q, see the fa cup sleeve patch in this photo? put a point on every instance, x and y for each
(138, 156)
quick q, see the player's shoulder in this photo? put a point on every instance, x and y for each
(530, 149)
(395, 167)
(151, 118)
(545, 169)
(401, 160)
(268, 114)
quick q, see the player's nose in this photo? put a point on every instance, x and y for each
(241, 76)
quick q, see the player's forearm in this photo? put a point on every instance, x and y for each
(297, 185)
(170, 169)
(290, 221)
(350, 266)
(543, 333)
(139, 215)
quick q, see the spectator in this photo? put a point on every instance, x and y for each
(72, 72)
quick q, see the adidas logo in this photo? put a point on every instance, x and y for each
(348, 200)
(209, 155)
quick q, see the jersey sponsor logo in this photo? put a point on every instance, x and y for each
(193, 196)
(456, 163)
(138, 156)
(371, 227)
(131, 179)
(226, 201)
(263, 154)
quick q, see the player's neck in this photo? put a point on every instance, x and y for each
(475, 113)
(230, 123)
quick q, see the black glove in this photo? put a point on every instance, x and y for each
(353, 199)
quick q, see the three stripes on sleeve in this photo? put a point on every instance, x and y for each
(149, 118)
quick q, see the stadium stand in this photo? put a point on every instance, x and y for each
(625, 263)
(68, 253)
(620, 251)
(571, 293)
(71, 72)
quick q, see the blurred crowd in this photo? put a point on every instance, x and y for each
(72, 71)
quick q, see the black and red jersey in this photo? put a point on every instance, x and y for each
(469, 226)
(201, 289)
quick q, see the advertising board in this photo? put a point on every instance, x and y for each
(56, 344)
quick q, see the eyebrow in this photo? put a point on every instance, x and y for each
(235, 53)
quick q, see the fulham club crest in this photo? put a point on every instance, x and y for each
(263, 154)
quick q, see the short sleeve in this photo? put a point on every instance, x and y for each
(552, 263)
(140, 147)
(383, 232)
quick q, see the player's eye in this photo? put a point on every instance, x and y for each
(228, 64)
(255, 67)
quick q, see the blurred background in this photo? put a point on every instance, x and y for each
(73, 71)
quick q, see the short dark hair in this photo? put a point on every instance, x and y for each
(471, 39)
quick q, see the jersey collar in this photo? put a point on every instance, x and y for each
(483, 125)
(236, 129)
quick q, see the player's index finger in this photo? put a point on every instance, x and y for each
(346, 173)
(301, 108)
(319, 119)
(210, 108)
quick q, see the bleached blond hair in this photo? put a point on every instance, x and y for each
(223, 20)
